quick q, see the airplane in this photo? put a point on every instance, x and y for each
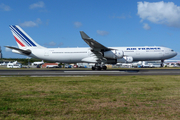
(96, 53)
(38, 63)
(14, 64)
(3, 64)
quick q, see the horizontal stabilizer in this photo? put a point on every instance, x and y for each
(26, 52)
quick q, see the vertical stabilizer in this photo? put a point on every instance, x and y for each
(22, 38)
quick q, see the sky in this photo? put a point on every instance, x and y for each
(113, 23)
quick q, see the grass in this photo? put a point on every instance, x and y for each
(92, 97)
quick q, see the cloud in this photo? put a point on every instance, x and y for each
(52, 43)
(60, 44)
(5, 7)
(31, 23)
(77, 24)
(160, 13)
(146, 26)
(39, 4)
(119, 17)
(28, 24)
(38, 21)
(102, 33)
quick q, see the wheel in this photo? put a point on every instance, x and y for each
(104, 68)
(93, 68)
(98, 67)
(162, 63)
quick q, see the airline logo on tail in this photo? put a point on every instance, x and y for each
(21, 37)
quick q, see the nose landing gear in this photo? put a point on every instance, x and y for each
(162, 63)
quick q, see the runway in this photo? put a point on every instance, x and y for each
(114, 72)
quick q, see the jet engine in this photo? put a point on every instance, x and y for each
(113, 54)
(125, 59)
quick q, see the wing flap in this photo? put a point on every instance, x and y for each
(90, 59)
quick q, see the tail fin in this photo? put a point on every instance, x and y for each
(22, 38)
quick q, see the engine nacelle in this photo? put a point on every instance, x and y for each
(125, 59)
(113, 54)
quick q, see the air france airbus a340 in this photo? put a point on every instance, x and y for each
(96, 53)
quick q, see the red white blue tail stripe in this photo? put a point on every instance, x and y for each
(21, 37)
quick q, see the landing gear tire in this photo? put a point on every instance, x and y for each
(162, 63)
(93, 68)
(98, 67)
(104, 68)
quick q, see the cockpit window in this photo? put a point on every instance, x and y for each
(172, 50)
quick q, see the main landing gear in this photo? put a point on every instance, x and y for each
(99, 67)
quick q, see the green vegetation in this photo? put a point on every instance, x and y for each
(91, 97)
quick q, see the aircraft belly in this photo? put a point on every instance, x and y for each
(69, 57)
(61, 55)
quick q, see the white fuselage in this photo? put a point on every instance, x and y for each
(97, 53)
(74, 55)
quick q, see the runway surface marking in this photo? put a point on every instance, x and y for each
(95, 71)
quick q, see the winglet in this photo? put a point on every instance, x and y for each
(84, 35)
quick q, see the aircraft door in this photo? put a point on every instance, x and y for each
(46, 52)
(162, 53)
(137, 52)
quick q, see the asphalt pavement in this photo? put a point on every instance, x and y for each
(76, 72)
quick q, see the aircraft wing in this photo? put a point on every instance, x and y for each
(92, 43)
(27, 52)
(96, 47)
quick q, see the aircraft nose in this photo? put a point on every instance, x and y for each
(175, 53)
